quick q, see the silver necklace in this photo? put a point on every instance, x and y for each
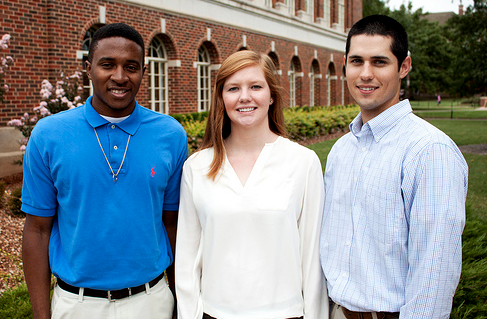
(114, 175)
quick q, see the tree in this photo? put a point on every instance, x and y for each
(371, 7)
(430, 50)
(468, 34)
(5, 63)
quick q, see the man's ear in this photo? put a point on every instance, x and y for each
(144, 69)
(344, 60)
(88, 68)
(405, 67)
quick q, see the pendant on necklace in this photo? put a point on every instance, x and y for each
(114, 175)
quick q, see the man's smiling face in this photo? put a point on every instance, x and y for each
(373, 74)
(116, 72)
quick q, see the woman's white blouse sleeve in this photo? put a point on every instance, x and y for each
(314, 287)
(188, 252)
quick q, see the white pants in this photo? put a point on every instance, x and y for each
(158, 303)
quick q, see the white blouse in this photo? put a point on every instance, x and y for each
(252, 252)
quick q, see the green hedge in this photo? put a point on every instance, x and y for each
(306, 122)
(301, 122)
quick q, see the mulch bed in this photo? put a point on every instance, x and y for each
(478, 149)
(10, 240)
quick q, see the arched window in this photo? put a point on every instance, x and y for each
(204, 80)
(312, 86)
(326, 12)
(292, 85)
(330, 83)
(274, 59)
(314, 83)
(85, 48)
(341, 15)
(310, 9)
(292, 8)
(344, 85)
(158, 79)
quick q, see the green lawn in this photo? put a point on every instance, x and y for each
(457, 114)
(471, 296)
(445, 103)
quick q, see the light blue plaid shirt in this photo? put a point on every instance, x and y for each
(394, 213)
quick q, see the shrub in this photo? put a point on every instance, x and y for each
(15, 202)
(5, 63)
(15, 303)
(195, 131)
(301, 122)
(64, 96)
(3, 187)
(306, 122)
(190, 117)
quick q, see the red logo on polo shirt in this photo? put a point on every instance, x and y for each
(152, 172)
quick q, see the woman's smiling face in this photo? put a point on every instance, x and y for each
(247, 97)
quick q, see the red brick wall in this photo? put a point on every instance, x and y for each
(45, 35)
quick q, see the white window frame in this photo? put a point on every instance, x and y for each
(326, 13)
(310, 9)
(158, 68)
(328, 87)
(292, 7)
(341, 15)
(204, 79)
(312, 77)
(343, 80)
(83, 55)
(292, 85)
(89, 87)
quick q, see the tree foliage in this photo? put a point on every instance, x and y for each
(430, 51)
(468, 36)
(445, 58)
(371, 7)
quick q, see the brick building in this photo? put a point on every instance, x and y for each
(186, 41)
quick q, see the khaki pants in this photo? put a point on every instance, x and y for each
(336, 312)
(157, 303)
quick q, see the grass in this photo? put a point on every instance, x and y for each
(15, 303)
(457, 114)
(463, 132)
(431, 104)
(470, 299)
(471, 296)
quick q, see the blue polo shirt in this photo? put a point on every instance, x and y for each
(106, 235)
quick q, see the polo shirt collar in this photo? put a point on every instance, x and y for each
(130, 125)
(384, 122)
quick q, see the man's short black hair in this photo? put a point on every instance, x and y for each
(115, 30)
(385, 26)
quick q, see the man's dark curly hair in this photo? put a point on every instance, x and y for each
(115, 30)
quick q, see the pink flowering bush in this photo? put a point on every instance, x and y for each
(64, 96)
(5, 63)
